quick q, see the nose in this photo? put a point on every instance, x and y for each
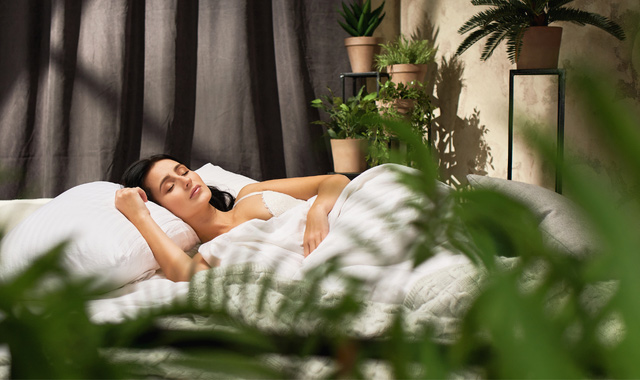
(187, 181)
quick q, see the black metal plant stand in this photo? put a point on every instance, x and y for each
(369, 74)
(560, 73)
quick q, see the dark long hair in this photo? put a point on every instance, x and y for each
(136, 174)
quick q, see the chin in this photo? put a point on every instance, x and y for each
(205, 192)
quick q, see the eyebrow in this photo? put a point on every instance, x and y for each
(175, 169)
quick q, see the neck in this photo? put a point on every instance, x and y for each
(211, 223)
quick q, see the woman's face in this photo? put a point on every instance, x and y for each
(177, 188)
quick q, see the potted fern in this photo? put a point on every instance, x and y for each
(397, 99)
(524, 24)
(350, 124)
(406, 59)
(360, 22)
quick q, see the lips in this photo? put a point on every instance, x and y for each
(196, 189)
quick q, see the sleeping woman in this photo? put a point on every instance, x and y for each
(212, 212)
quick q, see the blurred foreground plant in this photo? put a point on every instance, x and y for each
(555, 329)
(45, 326)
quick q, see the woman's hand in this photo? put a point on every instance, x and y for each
(317, 226)
(173, 261)
(316, 229)
(130, 202)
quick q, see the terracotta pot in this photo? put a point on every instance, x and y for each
(349, 155)
(403, 106)
(407, 72)
(540, 48)
(361, 51)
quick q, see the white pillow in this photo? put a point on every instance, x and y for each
(224, 180)
(104, 243)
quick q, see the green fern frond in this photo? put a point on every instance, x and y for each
(403, 50)
(492, 42)
(472, 39)
(583, 18)
(496, 3)
(484, 18)
(514, 43)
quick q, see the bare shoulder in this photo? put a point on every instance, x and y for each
(248, 189)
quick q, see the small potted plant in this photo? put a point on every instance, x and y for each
(524, 24)
(409, 101)
(406, 59)
(400, 97)
(350, 124)
(399, 101)
(360, 22)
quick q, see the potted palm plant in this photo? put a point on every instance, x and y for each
(406, 59)
(350, 124)
(360, 22)
(524, 24)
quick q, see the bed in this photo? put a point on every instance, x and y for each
(436, 293)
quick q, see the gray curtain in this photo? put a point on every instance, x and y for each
(87, 87)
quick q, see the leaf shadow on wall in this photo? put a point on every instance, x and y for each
(459, 142)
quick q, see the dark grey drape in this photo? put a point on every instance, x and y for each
(87, 87)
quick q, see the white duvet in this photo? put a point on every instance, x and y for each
(370, 232)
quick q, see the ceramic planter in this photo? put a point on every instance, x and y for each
(349, 155)
(403, 106)
(540, 48)
(407, 72)
(361, 51)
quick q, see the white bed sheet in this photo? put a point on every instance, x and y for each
(133, 299)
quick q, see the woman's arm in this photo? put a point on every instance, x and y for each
(327, 187)
(173, 261)
(298, 187)
(317, 226)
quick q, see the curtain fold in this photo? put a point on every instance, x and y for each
(129, 138)
(179, 137)
(87, 87)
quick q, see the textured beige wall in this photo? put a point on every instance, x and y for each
(390, 26)
(474, 95)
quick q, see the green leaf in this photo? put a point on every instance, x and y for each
(370, 97)
(583, 18)
(361, 23)
(373, 26)
(376, 12)
(357, 10)
(349, 17)
(349, 29)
